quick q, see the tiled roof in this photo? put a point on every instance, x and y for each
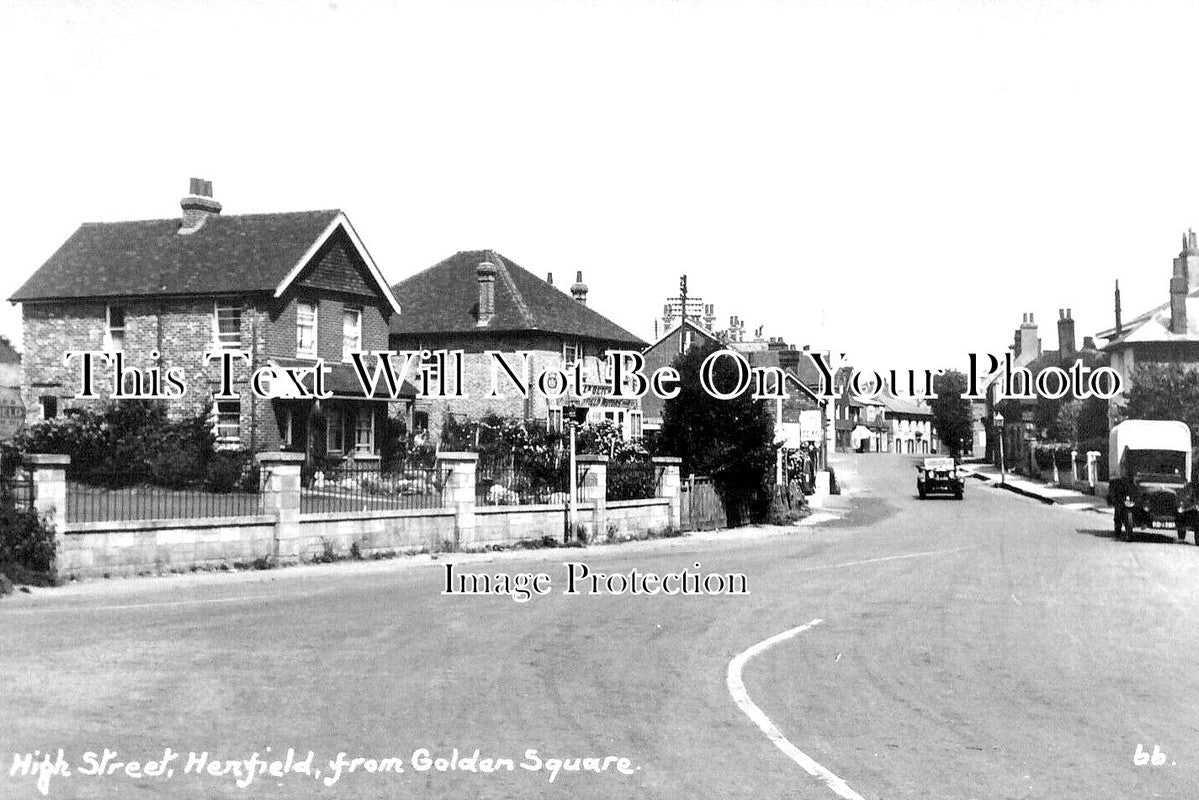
(228, 254)
(445, 299)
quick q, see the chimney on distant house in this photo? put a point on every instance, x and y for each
(549, 278)
(1178, 304)
(1065, 333)
(1088, 343)
(1187, 264)
(579, 290)
(485, 273)
(1030, 343)
(197, 206)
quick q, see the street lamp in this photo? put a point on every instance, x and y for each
(998, 420)
(574, 416)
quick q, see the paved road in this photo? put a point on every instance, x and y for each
(989, 648)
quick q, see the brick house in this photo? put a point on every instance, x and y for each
(286, 288)
(677, 340)
(478, 300)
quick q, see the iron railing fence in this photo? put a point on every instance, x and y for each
(357, 488)
(499, 484)
(107, 496)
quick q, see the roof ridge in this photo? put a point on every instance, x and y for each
(525, 313)
(159, 220)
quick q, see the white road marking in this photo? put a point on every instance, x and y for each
(759, 718)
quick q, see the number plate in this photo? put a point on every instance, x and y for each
(1165, 524)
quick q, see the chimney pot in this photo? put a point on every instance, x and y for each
(579, 290)
(198, 206)
(549, 278)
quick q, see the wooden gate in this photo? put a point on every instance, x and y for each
(701, 508)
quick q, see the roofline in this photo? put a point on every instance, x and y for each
(483, 331)
(101, 298)
(343, 222)
(671, 332)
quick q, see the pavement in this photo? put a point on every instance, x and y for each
(1039, 490)
(989, 648)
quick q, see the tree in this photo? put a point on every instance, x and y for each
(952, 417)
(1164, 392)
(731, 440)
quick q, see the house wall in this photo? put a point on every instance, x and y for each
(181, 330)
(545, 353)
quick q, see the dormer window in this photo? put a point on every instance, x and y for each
(114, 334)
(305, 330)
(226, 324)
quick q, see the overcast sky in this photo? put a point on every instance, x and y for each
(898, 181)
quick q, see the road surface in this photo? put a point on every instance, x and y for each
(990, 648)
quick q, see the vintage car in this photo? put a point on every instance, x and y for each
(939, 476)
(1150, 466)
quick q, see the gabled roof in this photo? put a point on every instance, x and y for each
(702, 331)
(445, 299)
(229, 254)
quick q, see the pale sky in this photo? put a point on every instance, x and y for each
(898, 181)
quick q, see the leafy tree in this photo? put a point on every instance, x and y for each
(731, 440)
(952, 417)
(1164, 392)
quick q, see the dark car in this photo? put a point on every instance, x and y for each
(939, 476)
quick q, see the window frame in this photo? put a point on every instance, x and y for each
(346, 311)
(575, 345)
(217, 308)
(315, 328)
(115, 344)
(338, 414)
(367, 415)
(220, 424)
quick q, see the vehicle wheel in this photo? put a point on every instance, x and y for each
(957, 495)
(1195, 531)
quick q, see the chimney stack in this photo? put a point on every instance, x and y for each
(549, 278)
(197, 206)
(1187, 264)
(1065, 334)
(1088, 343)
(485, 273)
(1178, 304)
(579, 290)
(1030, 343)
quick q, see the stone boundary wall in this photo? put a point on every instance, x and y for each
(283, 535)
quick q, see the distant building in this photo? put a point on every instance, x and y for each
(10, 365)
(479, 300)
(1165, 334)
(662, 353)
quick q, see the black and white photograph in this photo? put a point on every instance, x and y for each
(577, 399)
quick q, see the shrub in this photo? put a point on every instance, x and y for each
(174, 469)
(224, 473)
(26, 540)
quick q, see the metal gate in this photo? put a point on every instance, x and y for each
(701, 508)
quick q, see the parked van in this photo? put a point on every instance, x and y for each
(1151, 483)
